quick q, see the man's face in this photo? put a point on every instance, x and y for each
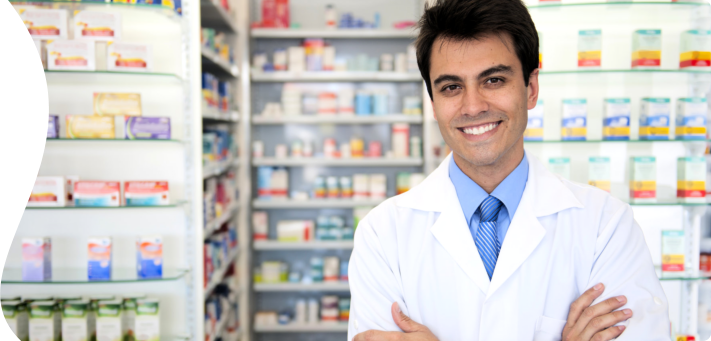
(480, 99)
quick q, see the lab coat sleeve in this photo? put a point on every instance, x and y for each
(374, 281)
(624, 265)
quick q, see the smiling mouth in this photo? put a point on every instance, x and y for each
(480, 129)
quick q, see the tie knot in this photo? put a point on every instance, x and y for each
(489, 209)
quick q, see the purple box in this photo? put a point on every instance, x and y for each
(53, 127)
(147, 128)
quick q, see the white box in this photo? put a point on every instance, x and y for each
(46, 23)
(95, 25)
(378, 186)
(48, 191)
(147, 319)
(691, 179)
(361, 186)
(74, 55)
(295, 230)
(75, 321)
(599, 172)
(560, 166)
(45, 321)
(643, 179)
(129, 57)
(109, 315)
(15, 314)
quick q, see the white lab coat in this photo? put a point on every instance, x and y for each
(416, 249)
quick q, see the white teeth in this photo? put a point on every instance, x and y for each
(481, 129)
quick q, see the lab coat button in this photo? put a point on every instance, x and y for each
(658, 301)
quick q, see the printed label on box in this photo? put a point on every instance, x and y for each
(48, 191)
(534, 128)
(150, 257)
(646, 48)
(695, 49)
(129, 57)
(90, 127)
(146, 193)
(95, 25)
(117, 104)
(589, 48)
(672, 251)
(616, 124)
(99, 258)
(45, 23)
(654, 119)
(147, 128)
(97, 193)
(574, 125)
(71, 55)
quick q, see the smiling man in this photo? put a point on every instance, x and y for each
(492, 246)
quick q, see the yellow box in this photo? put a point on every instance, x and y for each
(124, 104)
(90, 127)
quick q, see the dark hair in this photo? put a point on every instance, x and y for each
(470, 19)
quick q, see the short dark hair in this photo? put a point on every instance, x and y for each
(461, 20)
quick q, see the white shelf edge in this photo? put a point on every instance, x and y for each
(212, 226)
(223, 64)
(223, 14)
(313, 203)
(345, 76)
(287, 287)
(337, 119)
(219, 274)
(321, 327)
(312, 245)
(216, 168)
(351, 162)
(231, 116)
(354, 33)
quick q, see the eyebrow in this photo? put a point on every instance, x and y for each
(486, 73)
(447, 78)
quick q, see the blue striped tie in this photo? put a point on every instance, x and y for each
(486, 241)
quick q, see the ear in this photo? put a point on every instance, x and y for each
(532, 89)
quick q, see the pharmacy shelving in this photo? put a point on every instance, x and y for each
(163, 11)
(213, 59)
(79, 276)
(337, 119)
(62, 140)
(221, 326)
(313, 203)
(112, 208)
(226, 216)
(332, 162)
(213, 15)
(217, 115)
(219, 274)
(335, 76)
(263, 245)
(113, 77)
(553, 5)
(320, 286)
(321, 327)
(214, 168)
(274, 33)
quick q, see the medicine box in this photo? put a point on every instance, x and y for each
(260, 225)
(36, 259)
(616, 124)
(643, 179)
(673, 253)
(15, 313)
(109, 315)
(574, 125)
(45, 321)
(695, 49)
(97, 193)
(295, 230)
(117, 104)
(53, 127)
(95, 25)
(99, 256)
(129, 57)
(401, 140)
(147, 325)
(280, 183)
(646, 48)
(146, 193)
(71, 55)
(599, 172)
(48, 191)
(534, 128)
(75, 321)
(129, 315)
(560, 166)
(654, 118)
(90, 127)
(691, 179)
(147, 128)
(691, 118)
(46, 24)
(378, 186)
(589, 48)
(149, 257)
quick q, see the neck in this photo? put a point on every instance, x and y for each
(488, 177)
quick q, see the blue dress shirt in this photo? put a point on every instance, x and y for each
(470, 196)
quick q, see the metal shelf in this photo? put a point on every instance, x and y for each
(214, 16)
(352, 162)
(312, 245)
(321, 327)
(335, 76)
(354, 33)
(80, 276)
(321, 286)
(314, 203)
(214, 61)
(212, 226)
(175, 204)
(338, 119)
(218, 167)
(219, 274)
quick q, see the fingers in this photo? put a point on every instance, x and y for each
(605, 307)
(377, 335)
(403, 321)
(608, 334)
(598, 327)
(584, 301)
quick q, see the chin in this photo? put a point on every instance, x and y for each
(478, 157)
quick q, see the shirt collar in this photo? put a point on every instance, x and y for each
(471, 195)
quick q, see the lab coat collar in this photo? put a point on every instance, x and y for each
(545, 194)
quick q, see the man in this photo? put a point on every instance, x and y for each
(492, 246)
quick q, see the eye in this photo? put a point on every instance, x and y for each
(450, 88)
(494, 80)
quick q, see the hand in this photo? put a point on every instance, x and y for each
(412, 331)
(594, 323)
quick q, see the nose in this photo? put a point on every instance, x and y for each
(473, 102)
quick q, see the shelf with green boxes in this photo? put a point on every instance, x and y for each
(79, 276)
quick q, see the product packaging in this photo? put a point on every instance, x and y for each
(117, 104)
(346, 101)
(260, 225)
(643, 179)
(540, 50)
(319, 187)
(329, 309)
(646, 49)
(358, 214)
(333, 191)
(380, 103)
(400, 140)
(344, 307)
(589, 48)
(316, 269)
(71, 55)
(99, 255)
(691, 179)
(691, 118)
(534, 128)
(412, 105)
(46, 23)
(271, 272)
(616, 124)
(295, 230)
(264, 182)
(97, 193)
(75, 321)
(327, 103)
(361, 186)
(560, 166)
(695, 49)
(280, 183)
(363, 103)
(314, 53)
(297, 58)
(599, 173)
(45, 321)
(312, 311)
(94, 25)
(129, 315)
(53, 127)
(147, 325)
(36, 259)
(147, 128)
(378, 186)
(69, 181)
(15, 313)
(329, 148)
(402, 182)
(275, 13)
(109, 315)
(146, 193)
(331, 269)
(90, 127)
(149, 257)
(654, 118)
(129, 57)
(357, 148)
(673, 252)
(574, 125)
(48, 191)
